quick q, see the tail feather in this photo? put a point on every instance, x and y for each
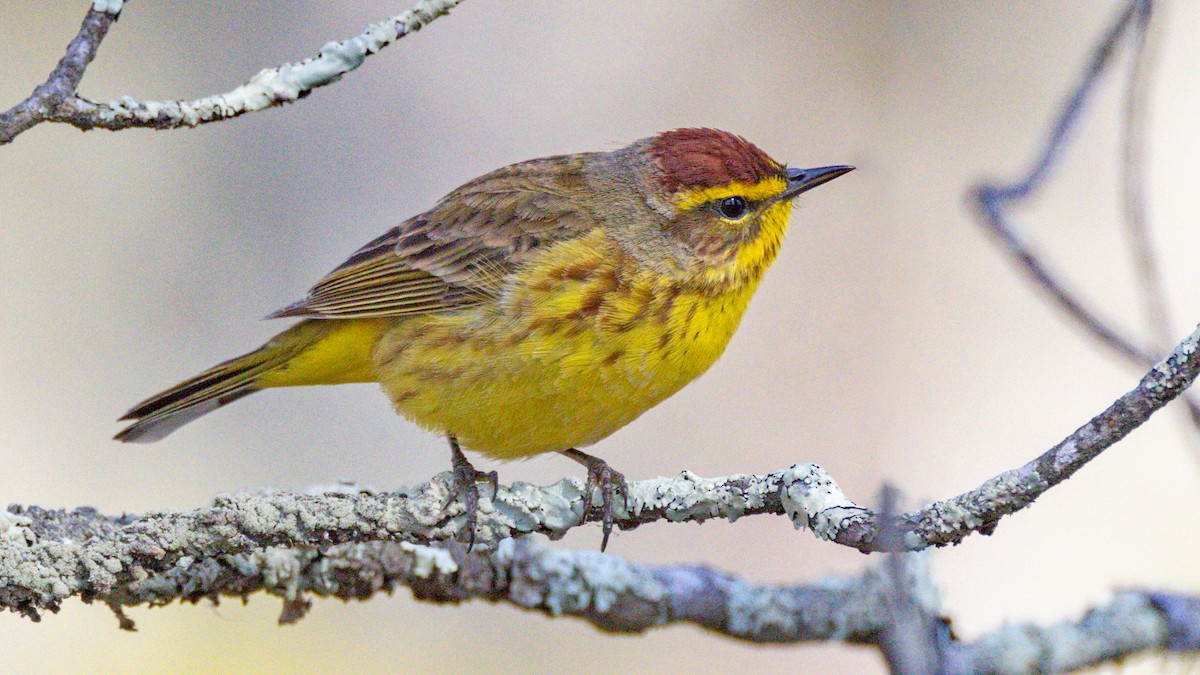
(158, 425)
(281, 362)
(206, 385)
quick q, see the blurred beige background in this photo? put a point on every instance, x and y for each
(891, 341)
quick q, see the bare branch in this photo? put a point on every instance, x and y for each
(64, 79)
(914, 640)
(1133, 180)
(57, 101)
(995, 200)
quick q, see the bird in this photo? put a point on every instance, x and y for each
(535, 309)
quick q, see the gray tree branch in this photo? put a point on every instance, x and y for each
(57, 101)
(48, 556)
(64, 79)
(995, 201)
(618, 596)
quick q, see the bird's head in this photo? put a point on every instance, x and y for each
(725, 200)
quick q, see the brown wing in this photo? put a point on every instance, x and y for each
(459, 253)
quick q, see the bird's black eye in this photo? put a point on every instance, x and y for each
(733, 208)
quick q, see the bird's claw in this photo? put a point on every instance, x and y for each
(466, 485)
(610, 483)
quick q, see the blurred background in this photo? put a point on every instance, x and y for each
(892, 341)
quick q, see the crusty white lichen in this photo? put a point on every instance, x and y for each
(962, 514)
(855, 606)
(813, 500)
(571, 582)
(1166, 371)
(1125, 625)
(108, 6)
(1065, 454)
(272, 536)
(428, 561)
(15, 529)
(523, 507)
(762, 611)
(685, 497)
(281, 569)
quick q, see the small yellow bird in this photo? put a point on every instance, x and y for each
(537, 308)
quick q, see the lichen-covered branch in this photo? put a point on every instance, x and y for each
(950, 521)
(979, 510)
(619, 596)
(611, 593)
(48, 556)
(1133, 622)
(57, 100)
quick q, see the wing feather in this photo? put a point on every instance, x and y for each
(460, 252)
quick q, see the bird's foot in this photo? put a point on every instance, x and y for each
(610, 483)
(466, 484)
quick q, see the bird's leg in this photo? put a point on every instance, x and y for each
(610, 481)
(465, 478)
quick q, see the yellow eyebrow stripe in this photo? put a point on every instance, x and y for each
(764, 189)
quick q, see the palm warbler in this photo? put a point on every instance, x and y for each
(537, 308)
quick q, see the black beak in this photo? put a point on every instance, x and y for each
(803, 180)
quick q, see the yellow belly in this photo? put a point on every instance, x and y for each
(569, 355)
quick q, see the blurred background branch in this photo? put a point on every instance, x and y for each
(995, 201)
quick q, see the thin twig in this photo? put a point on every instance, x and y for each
(269, 88)
(1133, 180)
(1148, 276)
(950, 521)
(995, 200)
